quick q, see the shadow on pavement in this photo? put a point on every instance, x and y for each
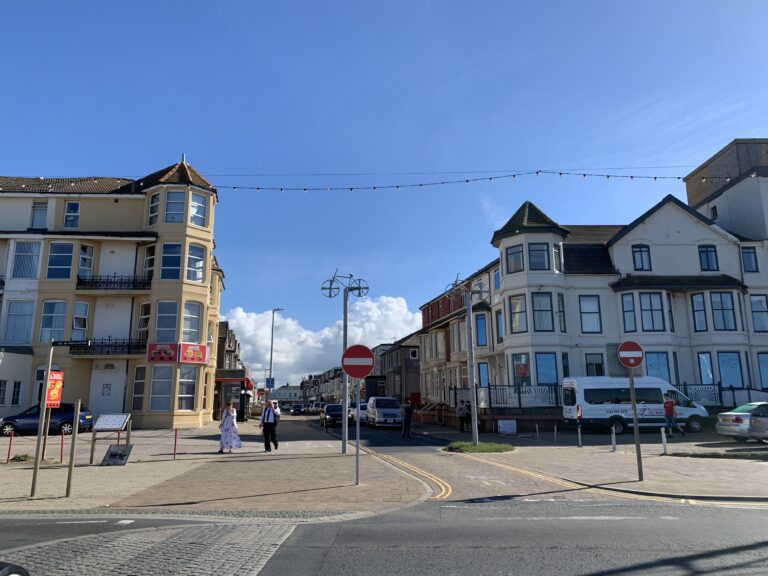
(693, 563)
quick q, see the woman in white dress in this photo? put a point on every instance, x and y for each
(229, 436)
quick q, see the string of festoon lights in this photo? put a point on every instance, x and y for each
(472, 180)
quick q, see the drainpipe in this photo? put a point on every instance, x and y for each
(751, 367)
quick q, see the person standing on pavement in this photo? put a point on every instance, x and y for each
(269, 423)
(670, 416)
(229, 435)
(461, 413)
(407, 419)
(468, 417)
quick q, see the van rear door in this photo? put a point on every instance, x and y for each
(569, 401)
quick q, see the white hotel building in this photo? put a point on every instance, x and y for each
(687, 281)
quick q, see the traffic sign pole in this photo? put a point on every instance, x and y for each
(345, 402)
(357, 361)
(41, 423)
(635, 424)
(631, 355)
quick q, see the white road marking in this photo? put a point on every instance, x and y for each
(124, 522)
(83, 522)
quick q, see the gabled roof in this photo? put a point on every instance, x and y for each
(668, 199)
(528, 218)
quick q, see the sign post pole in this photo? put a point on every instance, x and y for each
(41, 422)
(357, 362)
(75, 428)
(631, 355)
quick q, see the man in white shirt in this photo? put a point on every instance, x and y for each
(268, 422)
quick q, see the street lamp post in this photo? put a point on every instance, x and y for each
(331, 288)
(271, 349)
(468, 293)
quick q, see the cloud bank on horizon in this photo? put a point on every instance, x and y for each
(299, 352)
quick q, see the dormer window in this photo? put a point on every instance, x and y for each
(641, 256)
(39, 215)
(708, 258)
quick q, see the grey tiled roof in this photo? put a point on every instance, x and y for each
(699, 282)
(179, 173)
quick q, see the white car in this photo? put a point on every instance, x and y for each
(384, 411)
(363, 413)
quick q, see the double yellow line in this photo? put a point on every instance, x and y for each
(445, 488)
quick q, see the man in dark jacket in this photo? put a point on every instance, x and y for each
(407, 419)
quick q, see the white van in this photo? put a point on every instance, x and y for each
(384, 411)
(604, 402)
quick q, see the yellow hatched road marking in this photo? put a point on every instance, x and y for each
(445, 487)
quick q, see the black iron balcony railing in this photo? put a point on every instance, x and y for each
(108, 347)
(114, 282)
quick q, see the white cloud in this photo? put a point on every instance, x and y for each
(494, 214)
(299, 352)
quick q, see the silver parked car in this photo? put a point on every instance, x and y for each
(736, 422)
(758, 424)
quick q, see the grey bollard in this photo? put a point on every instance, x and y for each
(613, 439)
(555, 434)
(663, 441)
(578, 432)
(537, 431)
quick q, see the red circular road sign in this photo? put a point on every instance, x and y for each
(357, 361)
(631, 354)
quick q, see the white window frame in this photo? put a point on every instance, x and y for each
(72, 217)
(157, 398)
(154, 209)
(142, 326)
(195, 209)
(196, 264)
(85, 257)
(150, 252)
(82, 325)
(9, 317)
(165, 258)
(165, 315)
(52, 332)
(39, 207)
(54, 267)
(34, 255)
(172, 213)
(188, 375)
(143, 389)
(189, 332)
(587, 314)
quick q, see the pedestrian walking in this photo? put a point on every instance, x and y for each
(670, 416)
(468, 417)
(229, 435)
(268, 422)
(407, 419)
(461, 412)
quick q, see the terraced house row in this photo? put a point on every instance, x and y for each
(687, 281)
(121, 275)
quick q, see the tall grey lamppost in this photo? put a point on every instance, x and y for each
(479, 290)
(271, 349)
(359, 288)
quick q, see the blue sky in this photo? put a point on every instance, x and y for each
(345, 93)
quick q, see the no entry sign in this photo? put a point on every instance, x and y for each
(357, 361)
(631, 354)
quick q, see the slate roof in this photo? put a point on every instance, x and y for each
(89, 185)
(528, 218)
(699, 282)
(179, 173)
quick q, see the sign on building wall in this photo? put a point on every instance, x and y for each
(162, 352)
(55, 388)
(193, 353)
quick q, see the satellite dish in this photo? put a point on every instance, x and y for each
(330, 288)
(359, 286)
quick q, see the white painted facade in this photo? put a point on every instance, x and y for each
(108, 387)
(723, 340)
(112, 317)
(15, 370)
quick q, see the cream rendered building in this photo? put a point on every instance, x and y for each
(108, 268)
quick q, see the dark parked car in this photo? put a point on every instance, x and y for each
(61, 420)
(297, 409)
(331, 415)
